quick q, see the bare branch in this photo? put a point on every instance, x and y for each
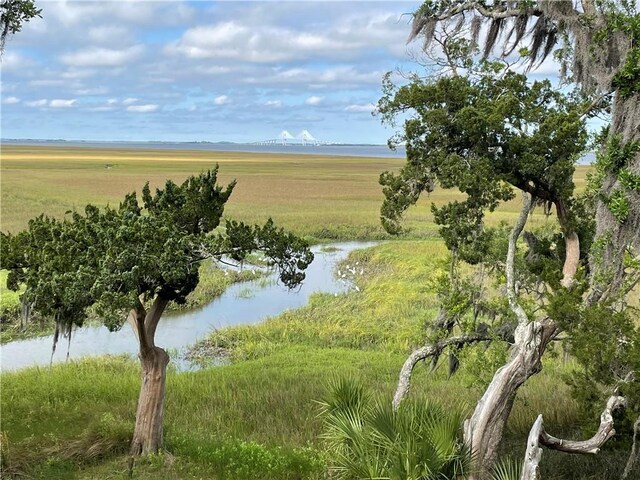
(427, 351)
(517, 309)
(538, 436)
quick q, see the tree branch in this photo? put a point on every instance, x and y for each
(153, 317)
(136, 319)
(487, 12)
(516, 308)
(538, 436)
(427, 351)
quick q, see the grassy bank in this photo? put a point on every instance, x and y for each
(258, 417)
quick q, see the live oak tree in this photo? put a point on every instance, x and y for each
(490, 132)
(128, 263)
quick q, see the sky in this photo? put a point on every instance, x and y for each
(205, 71)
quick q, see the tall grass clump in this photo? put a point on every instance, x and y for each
(367, 439)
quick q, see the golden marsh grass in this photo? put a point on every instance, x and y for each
(317, 195)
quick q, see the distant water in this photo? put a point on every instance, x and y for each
(337, 150)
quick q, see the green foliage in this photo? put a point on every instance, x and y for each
(629, 180)
(15, 13)
(369, 440)
(627, 79)
(107, 259)
(233, 458)
(618, 204)
(507, 469)
(615, 160)
(482, 135)
(616, 156)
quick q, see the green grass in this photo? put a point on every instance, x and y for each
(258, 417)
(362, 321)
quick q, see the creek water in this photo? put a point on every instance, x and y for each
(241, 304)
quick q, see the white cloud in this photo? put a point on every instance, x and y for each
(109, 34)
(313, 100)
(273, 103)
(368, 108)
(102, 57)
(14, 62)
(37, 103)
(103, 108)
(134, 12)
(62, 103)
(75, 74)
(254, 40)
(95, 91)
(344, 76)
(126, 101)
(11, 100)
(222, 100)
(149, 107)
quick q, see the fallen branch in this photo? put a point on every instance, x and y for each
(538, 436)
(422, 353)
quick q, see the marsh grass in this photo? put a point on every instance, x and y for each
(335, 198)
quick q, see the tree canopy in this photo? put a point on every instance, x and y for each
(114, 258)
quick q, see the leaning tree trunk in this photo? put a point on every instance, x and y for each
(483, 431)
(147, 435)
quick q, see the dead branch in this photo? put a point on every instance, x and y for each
(538, 436)
(422, 353)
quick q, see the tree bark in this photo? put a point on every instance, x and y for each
(572, 247)
(538, 436)
(607, 266)
(483, 431)
(147, 435)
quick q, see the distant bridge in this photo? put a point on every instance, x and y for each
(285, 138)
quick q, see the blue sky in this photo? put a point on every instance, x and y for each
(213, 71)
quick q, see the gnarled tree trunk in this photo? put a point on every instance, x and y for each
(607, 265)
(483, 431)
(147, 435)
